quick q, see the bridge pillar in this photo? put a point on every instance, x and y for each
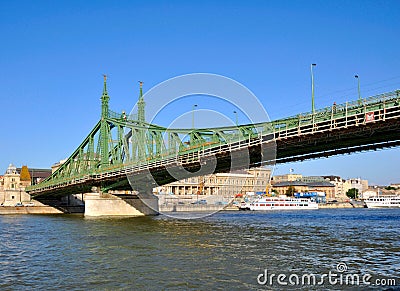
(103, 204)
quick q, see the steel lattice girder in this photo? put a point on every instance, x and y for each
(116, 142)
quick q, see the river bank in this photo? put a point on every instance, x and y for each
(9, 210)
(29, 210)
(43, 209)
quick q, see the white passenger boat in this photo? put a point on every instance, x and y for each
(275, 203)
(392, 201)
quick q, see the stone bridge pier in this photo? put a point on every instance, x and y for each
(121, 204)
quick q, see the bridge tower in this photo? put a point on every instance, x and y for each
(104, 127)
(139, 140)
(141, 104)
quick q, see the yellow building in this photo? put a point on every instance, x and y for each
(286, 177)
(301, 186)
(12, 189)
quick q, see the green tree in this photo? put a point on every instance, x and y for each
(390, 188)
(24, 176)
(352, 193)
(290, 190)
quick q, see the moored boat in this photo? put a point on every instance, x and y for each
(392, 201)
(244, 206)
(286, 203)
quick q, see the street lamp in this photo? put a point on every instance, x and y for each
(359, 94)
(236, 117)
(312, 89)
(194, 106)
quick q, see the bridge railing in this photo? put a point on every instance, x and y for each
(357, 112)
(348, 109)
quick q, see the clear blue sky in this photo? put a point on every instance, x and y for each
(53, 55)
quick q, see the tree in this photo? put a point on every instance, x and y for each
(390, 188)
(274, 192)
(290, 190)
(25, 176)
(352, 193)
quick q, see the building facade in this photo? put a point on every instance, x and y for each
(357, 183)
(313, 183)
(12, 189)
(340, 193)
(282, 188)
(223, 184)
(285, 178)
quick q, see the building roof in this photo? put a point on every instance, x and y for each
(321, 184)
(290, 183)
(11, 169)
(37, 173)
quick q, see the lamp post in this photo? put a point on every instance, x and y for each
(194, 106)
(312, 89)
(236, 117)
(359, 94)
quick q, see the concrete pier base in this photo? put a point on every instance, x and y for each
(97, 204)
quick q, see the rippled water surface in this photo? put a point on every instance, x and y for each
(226, 251)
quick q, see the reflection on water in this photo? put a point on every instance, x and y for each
(224, 251)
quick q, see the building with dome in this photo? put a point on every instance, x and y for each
(12, 189)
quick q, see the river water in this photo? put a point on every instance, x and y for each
(226, 251)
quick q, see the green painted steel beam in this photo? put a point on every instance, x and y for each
(117, 141)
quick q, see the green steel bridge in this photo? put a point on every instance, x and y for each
(122, 153)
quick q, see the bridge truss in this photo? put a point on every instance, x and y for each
(120, 146)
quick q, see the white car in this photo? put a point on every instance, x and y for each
(29, 204)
